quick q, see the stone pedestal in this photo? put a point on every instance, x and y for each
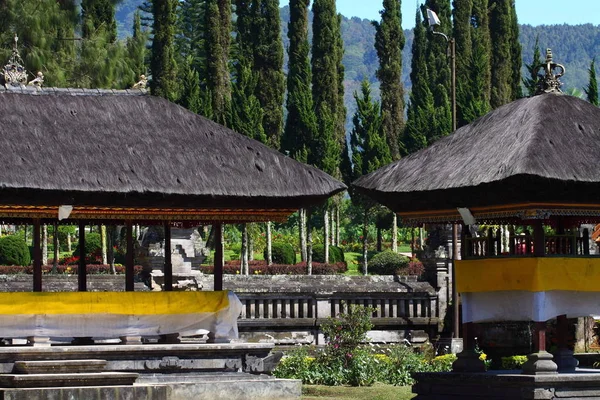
(565, 360)
(540, 363)
(468, 361)
(38, 341)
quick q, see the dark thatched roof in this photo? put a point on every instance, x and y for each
(116, 148)
(540, 149)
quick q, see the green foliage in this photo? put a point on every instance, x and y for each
(513, 362)
(14, 251)
(592, 88)
(336, 254)
(282, 253)
(387, 263)
(98, 14)
(389, 42)
(163, 66)
(93, 243)
(531, 82)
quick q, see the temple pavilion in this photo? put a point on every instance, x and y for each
(528, 166)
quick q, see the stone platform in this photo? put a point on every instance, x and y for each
(507, 385)
(163, 371)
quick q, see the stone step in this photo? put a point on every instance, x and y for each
(59, 366)
(67, 380)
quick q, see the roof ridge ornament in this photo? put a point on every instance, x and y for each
(550, 82)
(14, 73)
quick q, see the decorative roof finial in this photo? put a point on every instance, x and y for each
(550, 82)
(14, 73)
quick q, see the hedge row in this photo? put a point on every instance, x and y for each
(261, 268)
(65, 269)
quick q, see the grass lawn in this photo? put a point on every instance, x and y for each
(378, 391)
(353, 264)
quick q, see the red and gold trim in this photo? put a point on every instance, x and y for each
(149, 213)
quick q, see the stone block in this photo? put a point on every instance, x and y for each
(59, 366)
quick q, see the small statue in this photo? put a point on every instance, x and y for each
(142, 83)
(38, 81)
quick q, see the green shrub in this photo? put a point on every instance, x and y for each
(93, 244)
(14, 251)
(336, 254)
(513, 362)
(387, 263)
(442, 363)
(282, 253)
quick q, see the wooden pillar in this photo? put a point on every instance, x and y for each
(82, 269)
(168, 267)
(539, 336)
(129, 258)
(37, 256)
(539, 242)
(218, 258)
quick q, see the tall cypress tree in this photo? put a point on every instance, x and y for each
(471, 32)
(592, 89)
(217, 42)
(162, 63)
(505, 53)
(99, 14)
(515, 53)
(438, 69)
(325, 152)
(300, 126)
(268, 65)
(389, 42)
(190, 36)
(136, 46)
(420, 113)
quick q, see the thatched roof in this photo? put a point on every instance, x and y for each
(123, 148)
(540, 149)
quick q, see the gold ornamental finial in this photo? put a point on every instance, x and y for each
(549, 82)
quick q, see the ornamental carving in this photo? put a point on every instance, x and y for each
(550, 81)
(14, 73)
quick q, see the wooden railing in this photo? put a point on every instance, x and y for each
(523, 245)
(288, 310)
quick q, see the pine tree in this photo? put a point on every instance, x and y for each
(301, 125)
(370, 150)
(136, 47)
(592, 89)
(217, 42)
(189, 41)
(389, 42)
(162, 66)
(190, 96)
(99, 14)
(532, 81)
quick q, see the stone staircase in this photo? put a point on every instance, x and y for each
(186, 254)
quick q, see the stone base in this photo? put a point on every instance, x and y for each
(157, 392)
(565, 360)
(540, 363)
(500, 385)
(468, 361)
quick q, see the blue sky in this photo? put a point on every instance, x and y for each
(529, 11)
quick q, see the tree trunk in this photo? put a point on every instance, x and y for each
(309, 244)
(365, 242)
(421, 239)
(379, 239)
(45, 244)
(250, 249)
(103, 241)
(244, 250)
(326, 237)
(69, 244)
(332, 226)
(302, 230)
(110, 254)
(395, 233)
(270, 244)
(56, 249)
(337, 226)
